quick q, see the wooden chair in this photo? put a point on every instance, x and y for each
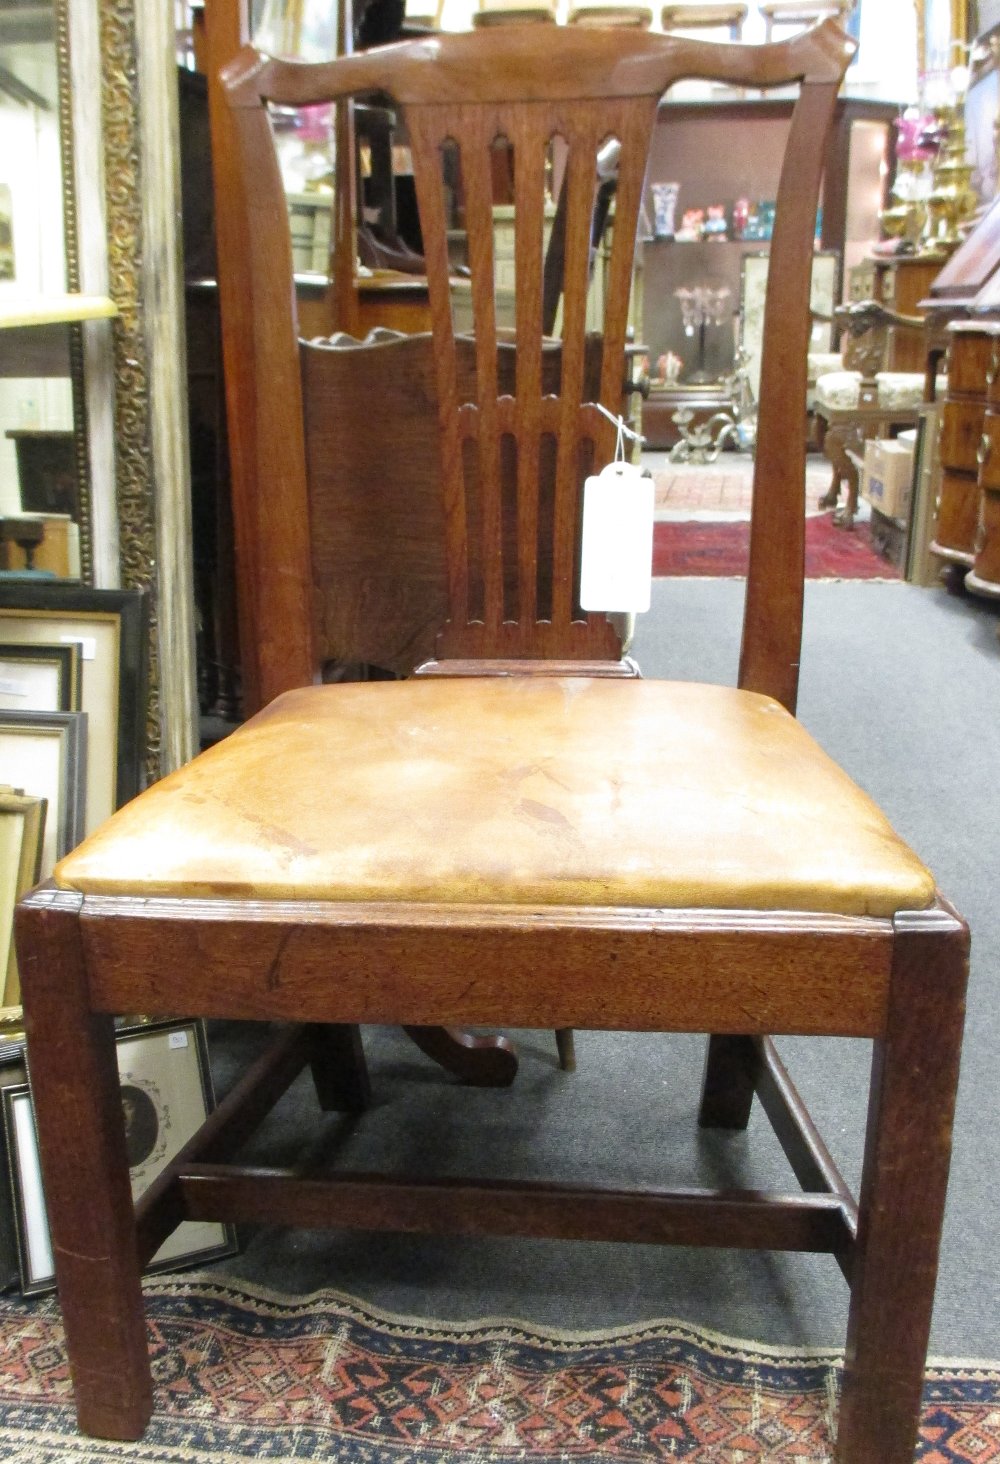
(860, 400)
(547, 850)
(782, 14)
(684, 16)
(610, 12)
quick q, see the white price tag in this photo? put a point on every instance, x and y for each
(617, 551)
(177, 1039)
(12, 688)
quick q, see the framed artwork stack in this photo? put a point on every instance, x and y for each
(72, 717)
(72, 749)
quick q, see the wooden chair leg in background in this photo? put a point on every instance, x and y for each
(481, 1062)
(339, 1070)
(566, 1048)
(728, 1083)
(905, 1176)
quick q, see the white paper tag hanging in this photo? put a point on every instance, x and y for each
(617, 550)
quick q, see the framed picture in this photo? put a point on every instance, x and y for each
(44, 754)
(166, 1093)
(12, 1074)
(40, 678)
(22, 825)
(824, 295)
(109, 628)
(982, 105)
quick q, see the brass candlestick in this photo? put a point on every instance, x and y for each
(952, 201)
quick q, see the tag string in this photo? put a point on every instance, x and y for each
(623, 431)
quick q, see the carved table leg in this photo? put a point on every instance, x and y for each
(912, 1103)
(82, 1146)
(831, 497)
(844, 471)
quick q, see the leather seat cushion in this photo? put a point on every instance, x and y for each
(529, 790)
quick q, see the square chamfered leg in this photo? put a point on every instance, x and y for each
(81, 1137)
(904, 1180)
(728, 1083)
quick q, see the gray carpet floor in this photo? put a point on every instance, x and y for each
(902, 686)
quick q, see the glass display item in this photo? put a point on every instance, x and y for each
(702, 306)
(664, 209)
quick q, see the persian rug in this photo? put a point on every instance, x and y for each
(720, 548)
(243, 1375)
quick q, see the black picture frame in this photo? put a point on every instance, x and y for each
(186, 1040)
(65, 657)
(13, 1074)
(131, 608)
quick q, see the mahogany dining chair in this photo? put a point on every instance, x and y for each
(510, 839)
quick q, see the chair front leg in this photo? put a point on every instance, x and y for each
(907, 1154)
(81, 1135)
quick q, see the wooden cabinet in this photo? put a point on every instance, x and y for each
(904, 284)
(967, 532)
(723, 149)
(984, 577)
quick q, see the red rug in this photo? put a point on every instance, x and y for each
(241, 1375)
(719, 549)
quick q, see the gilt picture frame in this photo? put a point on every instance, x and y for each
(22, 827)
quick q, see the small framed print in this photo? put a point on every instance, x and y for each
(166, 1094)
(12, 1074)
(40, 678)
(109, 627)
(31, 1226)
(44, 754)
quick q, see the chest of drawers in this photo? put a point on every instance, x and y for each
(967, 530)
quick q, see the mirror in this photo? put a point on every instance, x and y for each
(93, 211)
(42, 455)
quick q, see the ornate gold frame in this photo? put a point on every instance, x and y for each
(131, 389)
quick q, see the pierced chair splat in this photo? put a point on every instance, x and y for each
(556, 850)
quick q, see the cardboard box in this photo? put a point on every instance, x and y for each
(887, 476)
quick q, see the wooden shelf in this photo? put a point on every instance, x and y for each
(18, 311)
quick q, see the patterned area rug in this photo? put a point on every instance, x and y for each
(719, 549)
(242, 1375)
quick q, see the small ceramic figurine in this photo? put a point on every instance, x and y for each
(670, 367)
(715, 224)
(692, 225)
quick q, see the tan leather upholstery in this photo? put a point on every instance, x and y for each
(526, 790)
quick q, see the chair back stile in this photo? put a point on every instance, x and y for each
(772, 617)
(513, 595)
